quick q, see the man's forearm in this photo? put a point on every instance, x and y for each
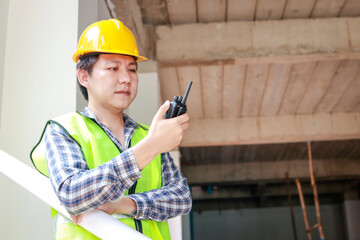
(164, 203)
(144, 152)
(123, 205)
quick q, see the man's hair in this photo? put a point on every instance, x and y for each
(87, 63)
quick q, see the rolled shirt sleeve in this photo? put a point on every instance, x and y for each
(78, 188)
(171, 200)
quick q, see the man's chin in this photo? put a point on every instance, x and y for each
(121, 107)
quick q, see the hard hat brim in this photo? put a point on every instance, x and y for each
(77, 55)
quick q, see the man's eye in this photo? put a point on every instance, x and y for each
(113, 68)
(132, 70)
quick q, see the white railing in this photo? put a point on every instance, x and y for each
(97, 222)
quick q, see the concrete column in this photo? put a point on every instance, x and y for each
(38, 82)
(4, 7)
(352, 215)
(175, 224)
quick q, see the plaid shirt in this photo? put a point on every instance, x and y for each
(80, 189)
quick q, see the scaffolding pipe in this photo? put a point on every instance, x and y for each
(303, 207)
(316, 197)
(97, 222)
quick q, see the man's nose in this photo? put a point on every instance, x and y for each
(124, 77)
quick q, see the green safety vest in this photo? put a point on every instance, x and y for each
(98, 148)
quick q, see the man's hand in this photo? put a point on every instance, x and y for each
(123, 205)
(76, 219)
(164, 135)
(167, 133)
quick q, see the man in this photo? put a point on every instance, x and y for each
(101, 158)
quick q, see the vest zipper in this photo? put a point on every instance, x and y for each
(138, 224)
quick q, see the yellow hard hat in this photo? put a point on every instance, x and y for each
(107, 36)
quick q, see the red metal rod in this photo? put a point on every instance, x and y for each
(303, 207)
(316, 198)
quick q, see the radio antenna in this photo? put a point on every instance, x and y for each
(186, 93)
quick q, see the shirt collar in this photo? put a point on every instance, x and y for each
(128, 121)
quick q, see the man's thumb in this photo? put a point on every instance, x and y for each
(162, 110)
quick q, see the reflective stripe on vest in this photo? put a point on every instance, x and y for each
(98, 148)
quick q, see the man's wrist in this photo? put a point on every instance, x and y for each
(129, 206)
(144, 152)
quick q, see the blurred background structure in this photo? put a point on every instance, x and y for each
(269, 76)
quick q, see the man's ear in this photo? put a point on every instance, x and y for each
(83, 77)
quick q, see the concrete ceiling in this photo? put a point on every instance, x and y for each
(268, 76)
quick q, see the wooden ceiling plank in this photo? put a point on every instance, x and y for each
(327, 8)
(169, 85)
(317, 86)
(243, 10)
(269, 170)
(343, 77)
(212, 90)
(269, 9)
(211, 10)
(181, 11)
(350, 100)
(299, 9)
(234, 79)
(272, 129)
(275, 88)
(255, 82)
(129, 13)
(356, 107)
(351, 9)
(154, 11)
(194, 102)
(245, 39)
(299, 77)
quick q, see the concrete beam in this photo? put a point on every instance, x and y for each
(272, 129)
(233, 40)
(236, 192)
(128, 11)
(271, 170)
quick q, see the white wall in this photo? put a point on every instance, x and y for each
(4, 6)
(38, 83)
(147, 101)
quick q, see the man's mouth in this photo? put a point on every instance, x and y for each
(123, 92)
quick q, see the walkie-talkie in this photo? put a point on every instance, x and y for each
(177, 106)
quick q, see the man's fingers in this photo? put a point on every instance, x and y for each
(162, 110)
(183, 118)
(76, 219)
(185, 126)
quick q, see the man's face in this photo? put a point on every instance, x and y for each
(113, 82)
